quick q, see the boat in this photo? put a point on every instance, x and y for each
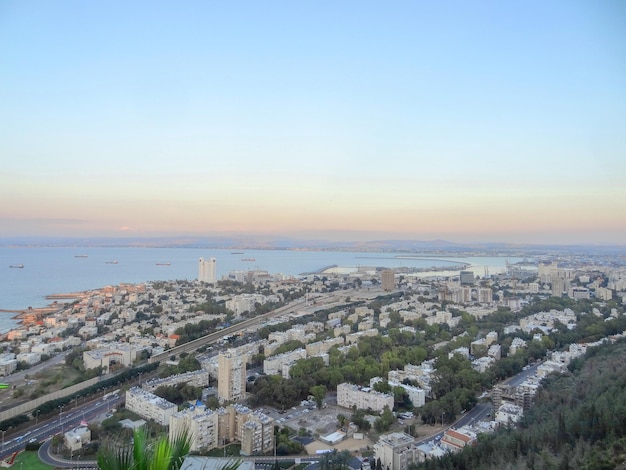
(16, 266)
(248, 259)
(236, 252)
(81, 256)
(111, 262)
(163, 264)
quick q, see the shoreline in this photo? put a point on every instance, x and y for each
(21, 315)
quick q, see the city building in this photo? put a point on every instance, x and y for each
(388, 280)
(396, 451)
(207, 271)
(76, 438)
(349, 395)
(196, 378)
(466, 277)
(200, 422)
(257, 434)
(149, 406)
(455, 440)
(231, 378)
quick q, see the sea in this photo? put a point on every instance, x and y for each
(57, 270)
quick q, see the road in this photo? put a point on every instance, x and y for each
(45, 429)
(336, 298)
(516, 380)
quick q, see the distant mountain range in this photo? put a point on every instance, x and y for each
(250, 241)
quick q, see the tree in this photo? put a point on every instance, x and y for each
(160, 455)
(318, 392)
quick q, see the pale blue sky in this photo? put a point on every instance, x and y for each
(458, 120)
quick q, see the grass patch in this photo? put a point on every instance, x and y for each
(30, 460)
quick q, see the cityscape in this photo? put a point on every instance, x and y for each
(313, 235)
(374, 366)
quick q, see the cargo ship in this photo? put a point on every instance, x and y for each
(20, 266)
(163, 264)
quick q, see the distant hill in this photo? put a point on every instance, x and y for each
(251, 241)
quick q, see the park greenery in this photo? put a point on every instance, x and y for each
(578, 421)
(455, 385)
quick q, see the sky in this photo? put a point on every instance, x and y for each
(351, 120)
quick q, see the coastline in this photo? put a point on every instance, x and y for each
(31, 314)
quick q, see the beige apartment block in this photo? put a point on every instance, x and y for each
(388, 280)
(202, 425)
(349, 395)
(231, 378)
(396, 451)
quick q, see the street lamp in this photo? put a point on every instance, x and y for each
(60, 414)
(37, 417)
(3, 431)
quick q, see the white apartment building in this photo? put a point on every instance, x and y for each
(246, 302)
(320, 347)
(201, 423)
(275, 365)
(231, 379)
(29, 358)
(115, 353)
(149, 406)
(207, 270)
(349, 395)
(415, 394)
(396, 451)
(8, 363)
(196, 378)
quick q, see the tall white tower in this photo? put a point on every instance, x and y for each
(207, 270)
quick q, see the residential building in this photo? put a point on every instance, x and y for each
(349, 395)
(231, 379)
(77, 437)
(455, 440)
(196, 378)
(149, 406)
(388, 280)
(207, 271)
(396, 451)
(200, 422)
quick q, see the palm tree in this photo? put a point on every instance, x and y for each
(160, 455)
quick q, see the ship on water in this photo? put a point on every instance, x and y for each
(20, 266)
(81, 256)
(111, 262)
(248, 259)
(163, 264)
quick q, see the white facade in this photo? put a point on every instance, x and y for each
(363, 398)
(149, 406)
(231, 381)
(396, 451)
(207, 271)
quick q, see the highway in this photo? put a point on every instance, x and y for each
(321, 301)
(45, 429)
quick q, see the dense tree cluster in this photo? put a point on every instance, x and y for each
(578, 422)
(192, 331)
(180, 393)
